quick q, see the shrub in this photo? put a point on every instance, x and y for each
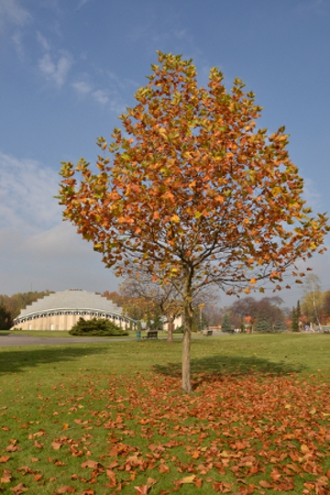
(97, 327)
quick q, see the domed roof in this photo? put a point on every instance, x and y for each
(72, 300)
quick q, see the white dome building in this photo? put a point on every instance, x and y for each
(62, 310)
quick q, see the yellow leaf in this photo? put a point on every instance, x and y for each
(276, 191)
(65, 426)
(188, 479)
(175, 219)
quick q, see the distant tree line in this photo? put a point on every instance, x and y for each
(315, 305)
(263, 315)
(10, 306)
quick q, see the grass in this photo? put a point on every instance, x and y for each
(103, 418)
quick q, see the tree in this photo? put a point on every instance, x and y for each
(18, 301)
(326, 305)
(312, 303)
(263, 326)
(269, 311)
(194, 188)
(212, 313)
(264, 315)
(6, 321)
(295, 321)
(243, 308)
(153, 296)
(226, 325)
(164, 299)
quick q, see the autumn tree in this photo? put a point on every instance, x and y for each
(165, 298)
(212, 313)
(133, 307)
(162, 298)
(312, 303)
(15, 303)
(194, 186)
(6, 321)
(326, 305)
(264, 314)
(242, 309)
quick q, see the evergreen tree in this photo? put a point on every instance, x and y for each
(226, 325)
(263, 326)
(298, 310)
(157, 322)
(295, 322)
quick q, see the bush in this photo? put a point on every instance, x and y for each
(97, 327)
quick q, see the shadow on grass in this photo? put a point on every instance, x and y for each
(25, 359)
(209, 368)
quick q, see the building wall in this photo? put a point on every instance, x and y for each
(64, 321)
(178, 321)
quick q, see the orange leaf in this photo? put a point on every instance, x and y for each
(66, 489)
(18, 489)
(265, 484)
(91, 464)
(142, 490)
(56, 445)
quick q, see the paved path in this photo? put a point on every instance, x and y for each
(23, 340)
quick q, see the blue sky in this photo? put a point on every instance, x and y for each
(69, 68)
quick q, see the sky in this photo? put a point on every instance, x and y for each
(70, 68)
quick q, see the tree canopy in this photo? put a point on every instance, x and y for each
(264, 314)
(195, 189)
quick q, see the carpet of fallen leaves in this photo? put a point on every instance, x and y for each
(137, 434)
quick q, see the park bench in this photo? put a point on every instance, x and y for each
(208, 333)
(152, 334)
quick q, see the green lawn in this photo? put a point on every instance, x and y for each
(104, 418)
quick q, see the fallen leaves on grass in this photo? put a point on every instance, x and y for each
(19, 489)
(234, 434)
(65, 489)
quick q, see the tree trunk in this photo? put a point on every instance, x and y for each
(170, 329)
(186, 383)
(188, 318)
